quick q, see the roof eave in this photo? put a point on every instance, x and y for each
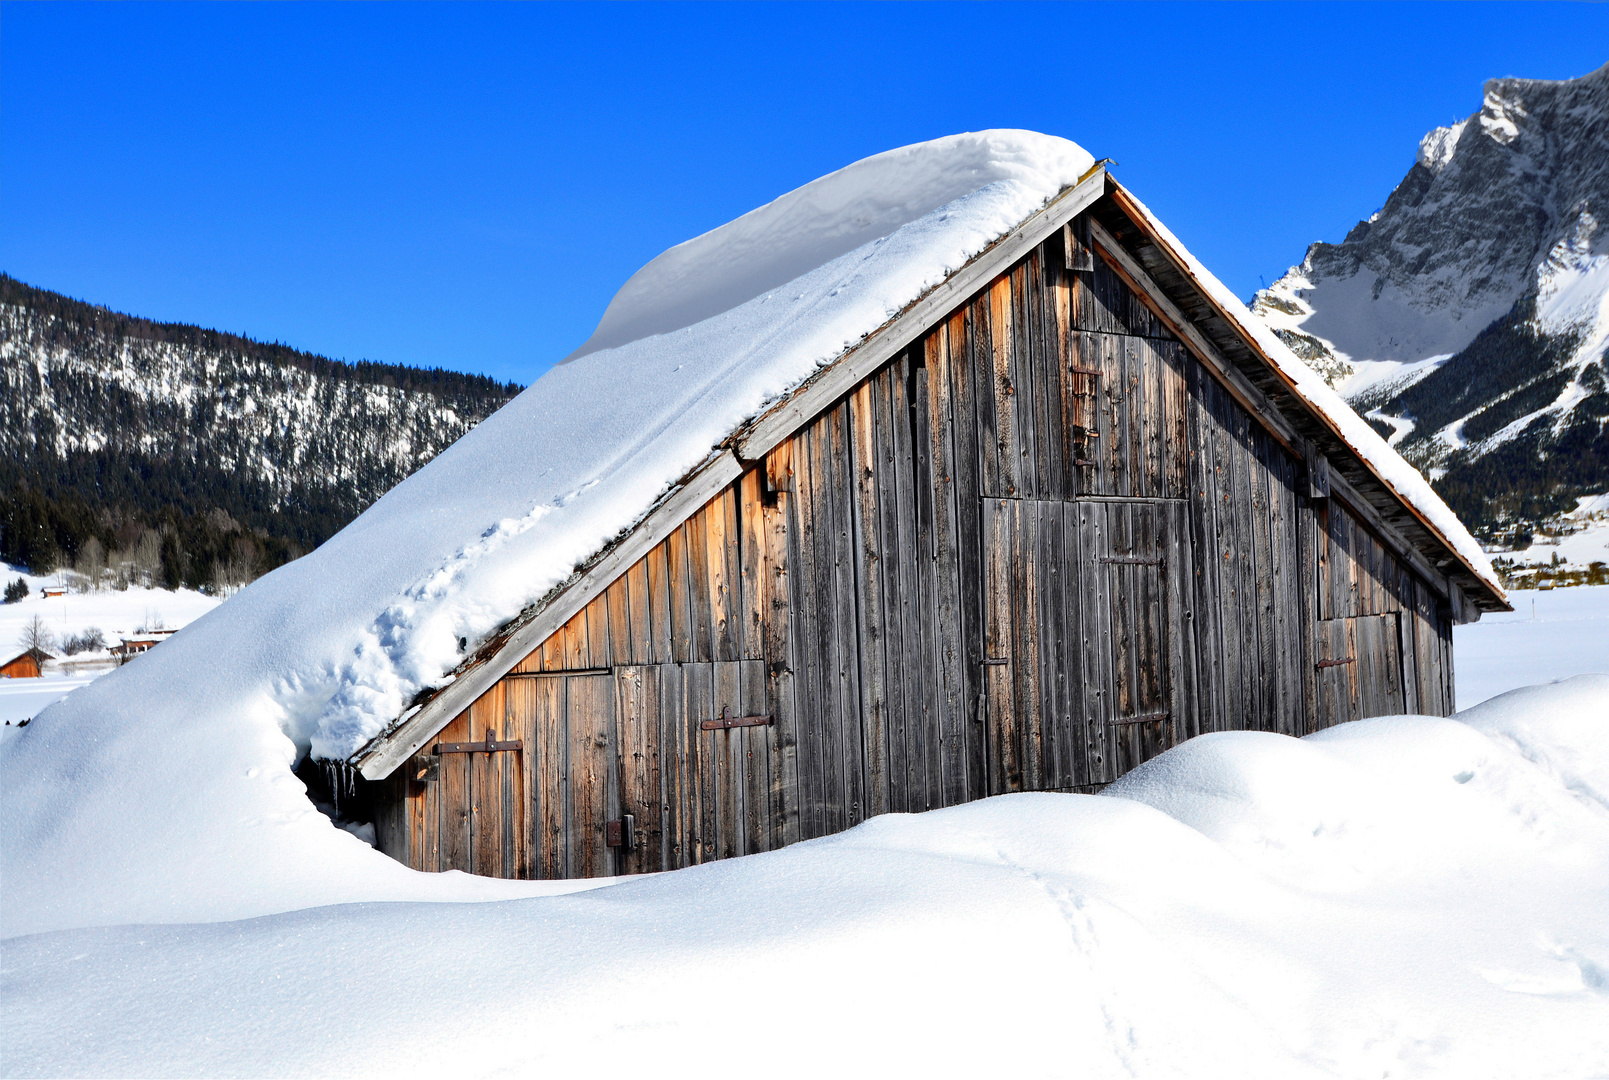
(1495, 598)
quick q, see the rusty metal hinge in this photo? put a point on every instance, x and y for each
(724, 721)
(490, 746)
(1076, 370)
(621, 833)
(996, 661)
(1130, 560)
(1322, 664)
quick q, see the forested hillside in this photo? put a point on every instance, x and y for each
(199, 457)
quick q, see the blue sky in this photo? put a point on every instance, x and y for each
(466, 186)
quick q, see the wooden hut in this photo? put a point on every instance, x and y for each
(1062, 513)
(25, 665)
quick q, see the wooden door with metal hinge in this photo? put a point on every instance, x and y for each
(698, 777)
(1359, 668)
(1081, 608)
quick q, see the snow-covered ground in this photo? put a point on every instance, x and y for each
(113, 612)
(1396, 897)
(1549, 635)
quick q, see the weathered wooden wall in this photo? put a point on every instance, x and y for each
(1039, 547)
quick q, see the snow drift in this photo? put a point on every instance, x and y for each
(1404, 896)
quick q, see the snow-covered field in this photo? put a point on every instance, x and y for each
(111, 611)
(1393, 898)
(1549, 635)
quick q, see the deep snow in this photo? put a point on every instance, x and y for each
(1549, 635)
(1396, 897)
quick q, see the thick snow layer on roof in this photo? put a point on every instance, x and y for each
(1410, 486)
(1403, 897)
(815, 224)
(130, 794)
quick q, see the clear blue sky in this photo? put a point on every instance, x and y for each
(466, 186)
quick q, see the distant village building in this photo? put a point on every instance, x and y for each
(49, 591)
(25, 665)
(129, 647)
(1065, 511)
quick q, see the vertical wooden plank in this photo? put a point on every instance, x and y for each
(699, 690)
(456, 850)
(723, 773)
(1008, 439)
(680, 576)
(833, 754)
(970, 352)
(486, 785)
(779, 649)
(721, 554)
(550, 774)
(1098, 651)
(929, 675)
(1261, 566)
(806, 574)
(517, 851)
(895, 550)
(1024, 390)
(960, 743)
(1183, 646)
(1151, 375)
(751, 551)
(637, 688)
(674, 758)
(1026, 662)
(1052, 675)
(1176, 406)
(1005, 770)
(845, 627)
(1242, 644)
(754, 766)
(968, 370)
(617, 605)
(700, 594)
(1060, 349)
(594, 795)
(865, 550)
(1200, 510)
(659, 602)
(1045, 358)
(598, 634)
(639, 615)
(1308, 575)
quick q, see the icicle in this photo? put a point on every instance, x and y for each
(342, 780)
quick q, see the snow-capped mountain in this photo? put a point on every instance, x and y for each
(1469, 317)
(119, 410)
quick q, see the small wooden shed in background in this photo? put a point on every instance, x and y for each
(25, 665)
(1059, 515)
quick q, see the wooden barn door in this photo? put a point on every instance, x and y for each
(1360, 668)
(571, 754)
(1082, 603)
(696, 764)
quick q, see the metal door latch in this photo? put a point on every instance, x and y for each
(621, 833)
